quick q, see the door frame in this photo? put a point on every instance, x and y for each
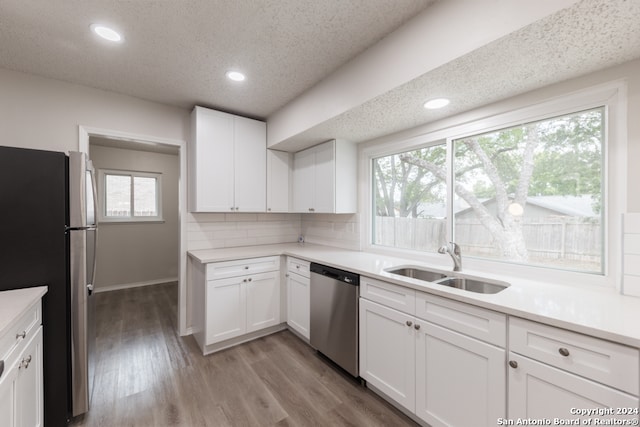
(86, 132)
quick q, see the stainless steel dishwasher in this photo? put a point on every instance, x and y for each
(333, 329)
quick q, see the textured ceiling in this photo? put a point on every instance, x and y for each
(589, 36)
(177, 52)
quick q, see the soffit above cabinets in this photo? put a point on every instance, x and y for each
(588, 36)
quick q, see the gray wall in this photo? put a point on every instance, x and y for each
(139, 253)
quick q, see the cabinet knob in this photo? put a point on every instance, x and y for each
(246, 267)
(513, 364)
(563, 351)
(409, 323)
(22, 335)
(25, 362)
(237, 208)
(249, 279)
(312, 210)
(268, 209)
(286, 275)
(416, 326)
(232, 208)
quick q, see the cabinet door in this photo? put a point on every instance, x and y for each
(29, 384)
(263, 300)
(298, 310)
(325, 175)
(387, 351)
(250, 164)
(226, 309)
(214, 179)
(304, 181)
(537, 390)
(8, 396)
(278, 181)
(460, 381)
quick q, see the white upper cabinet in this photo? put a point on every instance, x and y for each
(324, 178)
(279, 165)
(227, 163)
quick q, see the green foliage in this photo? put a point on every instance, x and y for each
(567, 160)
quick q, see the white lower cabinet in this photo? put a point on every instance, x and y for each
(298, 296)
(21, 382)
(29, 383)
(441, 375)
(234, 298)
(552, 371)
(460, 381)
(388, 352)
(540, 391)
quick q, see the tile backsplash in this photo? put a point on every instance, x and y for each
(631, 262)
(339, 230)
(223, 230)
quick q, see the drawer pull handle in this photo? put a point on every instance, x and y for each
(563, 351)
(25, 362)
(513, 364)
(416, 326)
(409, 323)
(22, 335)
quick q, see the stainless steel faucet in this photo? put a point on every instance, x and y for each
(453, 249)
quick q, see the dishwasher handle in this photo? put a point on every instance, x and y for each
(335, 273)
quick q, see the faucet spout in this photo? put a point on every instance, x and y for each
(453, 249)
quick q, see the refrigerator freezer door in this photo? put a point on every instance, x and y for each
(83, 246)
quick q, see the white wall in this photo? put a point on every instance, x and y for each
(45, 114)
(131, 254)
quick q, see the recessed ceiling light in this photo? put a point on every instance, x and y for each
(433, 104)
(236, 76)
(106, 33)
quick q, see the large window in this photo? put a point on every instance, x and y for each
(130, 196)
(528, 194)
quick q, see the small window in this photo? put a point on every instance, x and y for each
(130, 196)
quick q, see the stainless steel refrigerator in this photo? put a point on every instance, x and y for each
(82, 230)
(47, 237)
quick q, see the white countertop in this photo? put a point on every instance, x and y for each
(15, 303)
(601, 313)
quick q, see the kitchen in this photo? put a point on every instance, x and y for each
(44, 113)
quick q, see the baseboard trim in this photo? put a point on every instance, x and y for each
(118, 287)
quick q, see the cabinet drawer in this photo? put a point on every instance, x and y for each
(476, 322)
(609, 363)
(240, 267)
(299, 266)
(394, 296)
(13, 341)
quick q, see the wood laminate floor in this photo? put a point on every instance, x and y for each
(147, 375)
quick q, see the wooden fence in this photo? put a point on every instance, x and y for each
(566, 240)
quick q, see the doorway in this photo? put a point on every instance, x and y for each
(113, 142)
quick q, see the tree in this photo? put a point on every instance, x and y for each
(559, 156)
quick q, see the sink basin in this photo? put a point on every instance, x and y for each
(471, 284)
(419, 273)
(474, 285)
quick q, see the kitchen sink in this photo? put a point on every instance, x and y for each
(419, 273)
(474, 285)
(438, 277)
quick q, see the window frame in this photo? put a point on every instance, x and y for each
(611, 96)
(103, 218)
